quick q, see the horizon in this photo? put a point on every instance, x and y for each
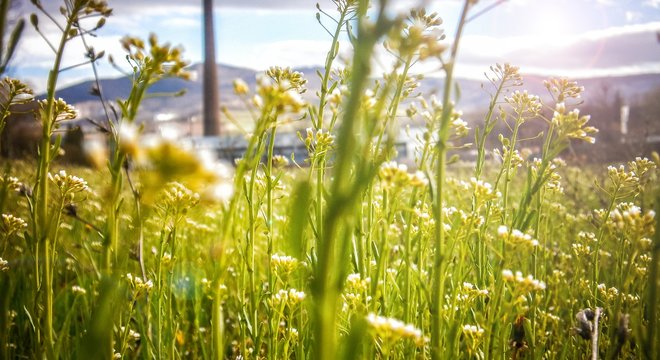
(576, 39)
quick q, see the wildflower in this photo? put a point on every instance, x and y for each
(474, 331)
(160, 61)
(562, 89)
(132, 335)
(61, 111)
(68, 184)
(459, 126)
(524, 104)
(139, 285)
(240, 87)
(419, 36)
(78, 290)
(507, 74)
(15, 92)
(4, 265)
(502, 231)
(334, 99)
(96, 153)
(128, 138)
(572, 126)
(318, 142)
(391, 330)
(283, 264)
(369, 99)
(12, 183)
(12, 224)
(289, 297)
(418, 179)
(280, 161)
(507, 275)
(523, 283)
(516, 158)
(166, 260)
(177, 200)
(516, 236)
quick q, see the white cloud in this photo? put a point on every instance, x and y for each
(633, 16)
(652, 3)
(630, 49)
(295, 53)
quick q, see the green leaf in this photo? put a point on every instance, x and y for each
(97, 342)
(13, 41)
(355, 338)
(298, 214)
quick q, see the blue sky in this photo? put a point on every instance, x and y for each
(575, 38)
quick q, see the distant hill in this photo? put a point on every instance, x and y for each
(473, 96)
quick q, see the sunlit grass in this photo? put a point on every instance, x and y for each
(345, 253)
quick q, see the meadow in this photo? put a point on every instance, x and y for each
(157, 252)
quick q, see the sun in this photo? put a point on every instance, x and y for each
(551, 25)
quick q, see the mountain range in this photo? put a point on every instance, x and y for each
(474, 94)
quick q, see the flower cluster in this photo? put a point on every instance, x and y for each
(280, 89)
(289, 297)
(14, 92)
(481, 190)
(177, 200)
(138, 285)
(516, 158)
(473, 331)
(12, 224)
(562, 89)
(12, 183)
(395, 175)
(128, 136)
(346, 5)
(570, 125)
(629, 217)
(630, 181)
(160, 61)
(97, 6)
(419, 35)
(132, 335)
(283, 264)
(78, 290)
(319, 142)
(355, 290)
(468, 294)
(515, 236)
(61, 111)
(524, 105)
(240, 87)
(287, 79)
(69, 185)
(523, 283)
(391, 330)
(507, 74)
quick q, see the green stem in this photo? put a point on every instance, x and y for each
(344, 192)
(599, 240)
(437, 297)
(41, 201)
(481, 140)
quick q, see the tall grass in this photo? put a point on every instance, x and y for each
(346, 253)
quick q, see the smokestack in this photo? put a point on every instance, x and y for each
(211, 102)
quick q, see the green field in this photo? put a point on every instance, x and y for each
(160, 253)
